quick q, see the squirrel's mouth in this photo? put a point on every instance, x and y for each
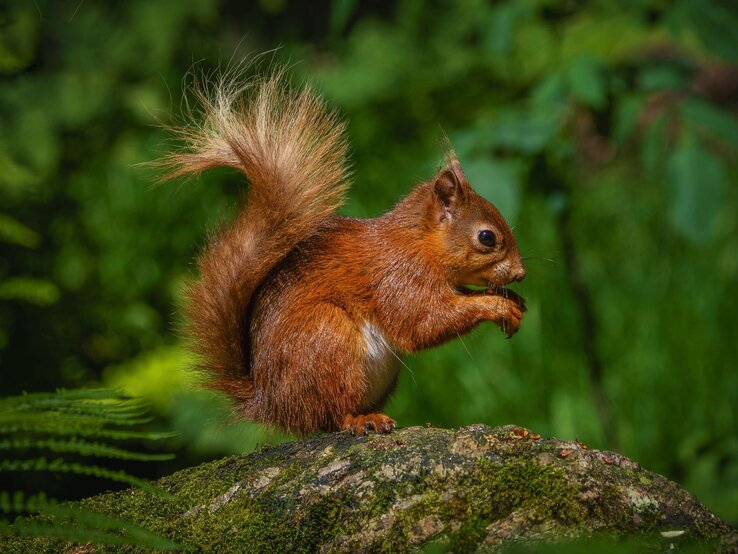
(502, 291)
(471, 290)
(493, 289)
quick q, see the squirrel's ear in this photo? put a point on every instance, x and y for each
(448, 189)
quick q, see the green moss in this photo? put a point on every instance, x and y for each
(542, 491)
(289, 473)
(610, 508)
(383, 496)
(398, 538)
(643, 479)
(324, 522)
(490, 493)
(525, 483)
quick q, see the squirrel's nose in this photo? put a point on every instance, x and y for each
(518, 272)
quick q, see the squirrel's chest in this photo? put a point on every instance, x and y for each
(380, 366)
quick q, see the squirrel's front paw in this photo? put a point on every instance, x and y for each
(362, 424)
(507, 312)
(510, 295)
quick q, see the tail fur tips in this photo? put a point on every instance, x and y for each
(284, 139)
(292, 150)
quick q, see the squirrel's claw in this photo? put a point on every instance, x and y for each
(509, 310)
(495, 290)
(362, 424)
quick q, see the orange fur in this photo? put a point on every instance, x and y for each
(301, 315)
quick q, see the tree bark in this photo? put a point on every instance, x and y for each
(476, 488)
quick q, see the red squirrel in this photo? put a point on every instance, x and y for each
(301, 316)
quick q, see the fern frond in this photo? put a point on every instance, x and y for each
(47, 399)
(49, 421)
(84, 448)
(122, 408)
(117, 404)
(74, 524)
(61, 466)
(74, 422)
(51, 426)
(111, 405)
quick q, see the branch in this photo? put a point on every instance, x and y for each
(476, 486)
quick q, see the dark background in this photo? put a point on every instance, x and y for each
(605, 132)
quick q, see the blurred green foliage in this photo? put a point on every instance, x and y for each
(606, 133)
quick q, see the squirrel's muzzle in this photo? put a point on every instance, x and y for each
(517, 272)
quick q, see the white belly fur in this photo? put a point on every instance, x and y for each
(381, 366)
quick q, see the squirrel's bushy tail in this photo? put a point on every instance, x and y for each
(292, 150)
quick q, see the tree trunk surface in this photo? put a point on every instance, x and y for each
(472, 489)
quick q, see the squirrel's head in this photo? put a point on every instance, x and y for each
(480, 248)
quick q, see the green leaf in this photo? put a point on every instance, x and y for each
(61, 466)
(652, 145)
(586, 81)
(36, 291)
(715, 25)
(13, 231)
(535, 48)
(551, 91)
(341, 12)
(527, 132)
(14, 176)
(661, 77)
(720, 123)
(73, 523)
(500, 26)
(627, 111)
(81, 447)
(61, 397)
(78, 412)
(613, 34)
(90, 421)
(696, 184)
(82, 427)
(19, 38)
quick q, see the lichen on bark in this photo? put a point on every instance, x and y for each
(476, 488)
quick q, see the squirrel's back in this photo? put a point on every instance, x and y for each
(292, 150)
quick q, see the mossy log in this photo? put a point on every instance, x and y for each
(476, 488)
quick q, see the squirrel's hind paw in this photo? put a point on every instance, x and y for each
(362, 424)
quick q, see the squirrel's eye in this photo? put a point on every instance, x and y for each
(487, 238)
